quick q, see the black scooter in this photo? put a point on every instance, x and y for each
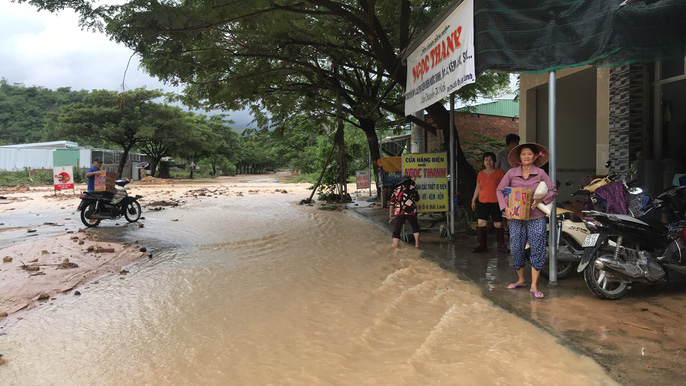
(98, 206)
(622, 250)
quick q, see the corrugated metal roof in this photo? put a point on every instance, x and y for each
(501, 108)
(44, 145)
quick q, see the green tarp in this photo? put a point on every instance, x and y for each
(543, 35)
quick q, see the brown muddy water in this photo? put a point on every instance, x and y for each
(258, 290)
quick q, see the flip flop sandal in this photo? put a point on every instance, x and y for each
(537, 294)
(515, 286)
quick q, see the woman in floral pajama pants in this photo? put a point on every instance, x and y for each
(526, 160)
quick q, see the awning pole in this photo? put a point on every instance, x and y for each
(552, 263)
(451, 162)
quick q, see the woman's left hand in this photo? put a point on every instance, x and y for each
(535, 203)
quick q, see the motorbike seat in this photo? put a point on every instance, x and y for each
(570, 216)
(95, 194)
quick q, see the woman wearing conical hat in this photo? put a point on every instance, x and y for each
(526, 160)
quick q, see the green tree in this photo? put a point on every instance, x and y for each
(288, 56)
(24, 111)
(166, 131)
(108, 117)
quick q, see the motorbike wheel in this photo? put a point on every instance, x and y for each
(86, 213)
(132, 211)
(600, 284)
(564, 268)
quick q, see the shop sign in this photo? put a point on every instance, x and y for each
(429, 171)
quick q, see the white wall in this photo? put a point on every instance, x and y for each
(19, 159)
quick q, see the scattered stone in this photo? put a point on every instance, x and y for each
(81, 230)
(43, 296)
(31, 230)
(40, 273)
(77, 293)
(90, 248)
(141, 225)
(31, 268)
(99, 249)
(125, 226)
(44, 252)
(67, 265)
(2, 361)
(123, 272)
(81, 242)
(2, 223)
(33, 261)
(3, 315)
(143, 249)
(284, 191)
(175, 219)
(142, 218)
(149, 255)
(277, 190)
(7, 259)
(50, 224)
(74, 237)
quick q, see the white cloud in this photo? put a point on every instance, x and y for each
(52, 51)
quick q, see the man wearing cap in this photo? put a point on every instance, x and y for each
(526, 161)
(404, 207)
(97, 164)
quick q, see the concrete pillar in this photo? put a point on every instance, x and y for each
(418, 136)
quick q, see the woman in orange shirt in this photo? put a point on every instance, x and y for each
(485, 203)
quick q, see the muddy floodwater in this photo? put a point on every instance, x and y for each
(258, 290)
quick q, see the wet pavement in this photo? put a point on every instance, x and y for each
(639, 339)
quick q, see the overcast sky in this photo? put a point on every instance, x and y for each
(51, 51)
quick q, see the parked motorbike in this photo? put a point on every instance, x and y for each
(98, 206)
(634, 194)
(622, 250)
(571, 230)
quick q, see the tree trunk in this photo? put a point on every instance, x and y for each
(153, 165)
(369, 128)
(340, 139)
(466, 182)
(122, 161)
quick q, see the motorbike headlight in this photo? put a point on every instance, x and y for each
(592, 224)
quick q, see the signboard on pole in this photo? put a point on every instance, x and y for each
(444, 62)
(430, 175)
(362, 179)
(63, 177)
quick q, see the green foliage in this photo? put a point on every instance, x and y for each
(26, 177)
(475, 148)
(23, 111)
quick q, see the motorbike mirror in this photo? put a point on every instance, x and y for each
(569, 183)
(635, 190)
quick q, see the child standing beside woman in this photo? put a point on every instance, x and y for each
(485, 204)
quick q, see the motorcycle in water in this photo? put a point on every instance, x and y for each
(622, 250)
(98, 206)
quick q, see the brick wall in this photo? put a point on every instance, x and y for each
(468, 124)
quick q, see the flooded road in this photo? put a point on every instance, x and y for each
(258, 290)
